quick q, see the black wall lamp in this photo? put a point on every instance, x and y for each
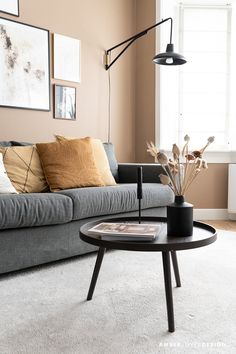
(169, 57)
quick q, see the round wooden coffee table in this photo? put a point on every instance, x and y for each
(203, 235)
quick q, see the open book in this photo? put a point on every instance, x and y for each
(126, 231)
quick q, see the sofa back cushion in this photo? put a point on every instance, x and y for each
(5, 143)
(20, 143)
(69, 164)
(14, 143)
(24, 168)
(102, 162)
(110, 151)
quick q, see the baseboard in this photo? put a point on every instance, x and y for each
(232, 216)
(210, 214)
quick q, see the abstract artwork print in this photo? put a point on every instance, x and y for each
(24, 63)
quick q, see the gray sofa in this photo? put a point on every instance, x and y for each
(38, 228)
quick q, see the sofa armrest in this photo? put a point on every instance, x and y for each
(128, 172)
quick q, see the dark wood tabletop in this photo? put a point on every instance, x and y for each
(203, 235)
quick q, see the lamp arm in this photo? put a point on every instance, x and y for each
(117, 57)
(133, 39)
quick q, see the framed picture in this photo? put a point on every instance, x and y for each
(10, 7)
(25, 67)
(66, 58)
(64, 102)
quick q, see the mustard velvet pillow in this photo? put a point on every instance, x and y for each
(24, 168)
(69, 164)
(101, 160)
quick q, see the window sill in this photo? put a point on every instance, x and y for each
(220, 156)
(217, 156)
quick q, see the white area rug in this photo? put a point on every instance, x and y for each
(44, 310)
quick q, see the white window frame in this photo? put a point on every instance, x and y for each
(182, 7)
(225, 155)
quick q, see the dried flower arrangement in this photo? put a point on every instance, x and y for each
(180, 175)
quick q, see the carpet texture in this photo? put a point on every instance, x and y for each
(44, 310)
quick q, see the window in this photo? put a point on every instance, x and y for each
(195, 98)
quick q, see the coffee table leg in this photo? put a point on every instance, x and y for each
(168, 290)
(96, 270)
(176, 268)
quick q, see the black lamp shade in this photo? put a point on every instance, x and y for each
(169, 57)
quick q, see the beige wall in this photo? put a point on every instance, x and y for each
(145, 80)
(99, 25)
(210, 189)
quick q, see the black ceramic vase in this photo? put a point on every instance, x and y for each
(179, 218)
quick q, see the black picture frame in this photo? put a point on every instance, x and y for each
(10, 13)
(41, 74)
(64, 105)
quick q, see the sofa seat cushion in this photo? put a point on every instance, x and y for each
(93, 201)
(26, 210)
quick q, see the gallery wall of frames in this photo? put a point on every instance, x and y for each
(26, 74)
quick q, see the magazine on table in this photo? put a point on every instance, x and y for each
(126, 231)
